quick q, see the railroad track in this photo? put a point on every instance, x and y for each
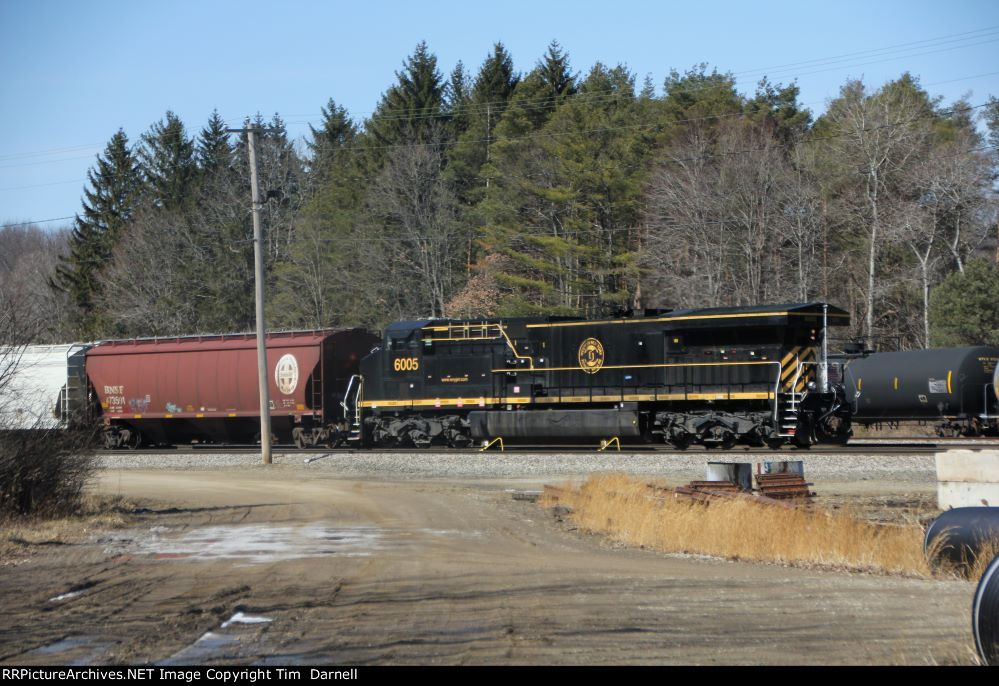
(872, 446)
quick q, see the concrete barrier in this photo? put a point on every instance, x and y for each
(967, 478)
(737, 472)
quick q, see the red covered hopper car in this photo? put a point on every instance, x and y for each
(204, 389)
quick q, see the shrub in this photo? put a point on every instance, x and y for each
(43, 471)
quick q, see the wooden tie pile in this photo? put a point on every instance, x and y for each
(780, 486)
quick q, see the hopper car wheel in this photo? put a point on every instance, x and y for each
(775, 443)
(256, 438)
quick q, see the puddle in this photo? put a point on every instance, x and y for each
(263, 543)
(266, 543)
(73, 592)
(451, 533)
(75, 650)
(240, 618)
(210, 645)
(224, 643)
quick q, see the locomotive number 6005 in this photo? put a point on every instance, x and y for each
(405, 364)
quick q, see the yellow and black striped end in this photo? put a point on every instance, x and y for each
(799, 355)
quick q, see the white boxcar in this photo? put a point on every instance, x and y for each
(35, 397)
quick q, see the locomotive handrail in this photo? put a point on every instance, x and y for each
(797, 375)
(777, 393)
(346, 395)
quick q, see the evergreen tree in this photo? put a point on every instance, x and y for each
(490, 94)
(166, 161)
(115, 184)
(536, 96)
(457, 98)
(698, 100)
(320, 264)
(778, 108)
(496, 79)
(336, 133)
(991, 116)
(409, 109)
(555, 72)
(565, 218)
(964, 309)
(214, 151)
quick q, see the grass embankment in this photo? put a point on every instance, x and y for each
(625, 510)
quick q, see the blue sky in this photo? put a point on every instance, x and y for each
(74, 72)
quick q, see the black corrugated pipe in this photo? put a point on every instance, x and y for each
(985, 614)
(957, 536)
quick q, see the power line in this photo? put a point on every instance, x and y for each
(654, 125)
(32, 164)
(39, 221)
(52, 151)
(889, 59)
(418, 113)
(40, 185)
(497, 107)
(986, 30)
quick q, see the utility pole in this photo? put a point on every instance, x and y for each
(258, 277)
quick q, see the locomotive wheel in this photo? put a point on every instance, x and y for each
(775, 443)
(681, 442)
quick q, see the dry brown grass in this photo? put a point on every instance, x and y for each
(21, 536)
(623, 509)
(970, 566)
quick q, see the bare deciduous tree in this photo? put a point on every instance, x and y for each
(732, 220)
(420, 233)
(874, 140)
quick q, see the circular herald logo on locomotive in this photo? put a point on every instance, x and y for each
(286, 374)
(591, 355)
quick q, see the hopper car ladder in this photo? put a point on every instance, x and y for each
(74, 393)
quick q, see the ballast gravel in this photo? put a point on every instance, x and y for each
(399, 465)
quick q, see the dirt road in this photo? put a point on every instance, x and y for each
(287, 567)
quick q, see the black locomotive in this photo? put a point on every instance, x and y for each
(716, 377)
(954, 388)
